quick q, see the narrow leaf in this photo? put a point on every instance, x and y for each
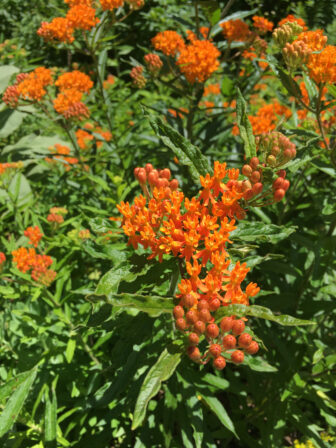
(15, 403)
(187, 154)
(70, 349)
(245, 127)
(50, 419)
(260, 232)
(153, 305)
(262, 313)
(160, 371)
(218, 409)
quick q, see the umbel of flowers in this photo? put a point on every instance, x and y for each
(196, 230)
(32, 88)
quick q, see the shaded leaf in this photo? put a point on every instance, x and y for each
(245, 127)
(260, 312)
(15, 403)
(159, 372)
(187, 154)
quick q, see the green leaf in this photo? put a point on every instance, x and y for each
(187, 154)
(159, 372)
(20, 190)
(6, 72)
(70, 350)
(260, 312)
(211, 10)
(245, 127)
(218, 409)
(259, 232)
(258, 364)
(10, 120)
(15, 403)
(289, 83)
(50, 419)
(9, 387)
(152, 305)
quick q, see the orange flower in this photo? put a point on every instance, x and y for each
(291, 18)
(69, 104)
(322, 66)
(235, 30)
(83, 138)
(34, 234)
(212, 89)
(24, 258)
(169, 42)
(109, 81)
(55, 217)
(314, 40)
(153, 62)
(2, 258)
(204, 30)
(262, 24)
(33, 85)
(111, 4)
(82, 17)
(58, 29)
(78, 2)
(198, 60)
(74, 80)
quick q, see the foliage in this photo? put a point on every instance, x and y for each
(228, 132)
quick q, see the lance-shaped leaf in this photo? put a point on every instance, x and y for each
(50, 419)
(245, 127)
(15, 403)
(258, 364)
(187, 154)
(260, 232)
(152, 305)
(217, 408)
(162, 370)
(260, 312)
(289, 83)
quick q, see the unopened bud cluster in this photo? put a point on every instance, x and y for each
(138, 78)
(153, 63)
(155, 178)
(286, 33)
(226, 342)
(275, 150)
(295, 54)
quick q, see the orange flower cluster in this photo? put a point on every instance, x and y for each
(266, 118)
(314, 40)
(196, 230)
(109, 5)
(32, 87)
(198, 60)
(81, 16)
(322, 66)
(56, 215)
(291, 18)
(263, 25)
(28, 259)
(74, 80)
(10, 166)
(34, 234)
(169, 42)
(58, 29)
(68, 102)
(212, 89)
(235, 30)
(85, 139)
(60, 153)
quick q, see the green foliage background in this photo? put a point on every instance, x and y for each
(76, 363)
